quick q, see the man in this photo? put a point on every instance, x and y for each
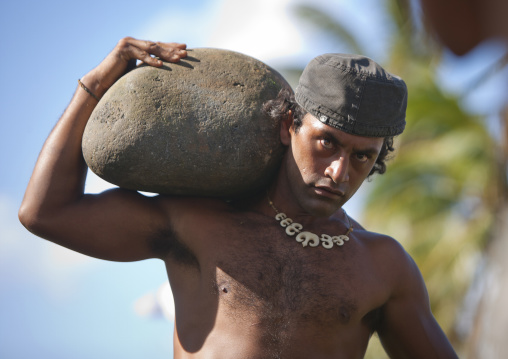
(283, 274)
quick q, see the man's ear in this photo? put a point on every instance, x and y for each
(286, 129)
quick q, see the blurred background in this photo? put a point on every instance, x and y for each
(443, 196)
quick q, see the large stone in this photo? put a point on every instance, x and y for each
(192, 128)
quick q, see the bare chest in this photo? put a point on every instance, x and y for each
(262, 274)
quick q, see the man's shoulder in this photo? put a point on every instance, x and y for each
(368, 236)
(193, 205)
(384, 247)
(375, 243)
(387, 258)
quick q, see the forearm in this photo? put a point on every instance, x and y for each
(60, 171)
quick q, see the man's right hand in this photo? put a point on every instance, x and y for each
(123, 58)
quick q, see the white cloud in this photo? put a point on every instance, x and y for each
(157, 305)
(268, 30)
(264, 29)
(95, 184)
(147, 306)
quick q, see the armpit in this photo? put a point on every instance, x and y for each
(166, 243)
(372, 319)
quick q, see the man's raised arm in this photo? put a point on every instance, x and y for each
(112, 225)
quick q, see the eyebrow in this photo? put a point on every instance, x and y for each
(367, 150)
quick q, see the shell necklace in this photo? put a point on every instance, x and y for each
(309, 238)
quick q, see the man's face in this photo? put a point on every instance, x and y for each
(326, 166)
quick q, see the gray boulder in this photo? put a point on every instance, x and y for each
(192, 128)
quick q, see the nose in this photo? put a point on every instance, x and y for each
(338, 170)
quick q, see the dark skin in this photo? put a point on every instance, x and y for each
(242, 287)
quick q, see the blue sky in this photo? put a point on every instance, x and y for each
(58, 304)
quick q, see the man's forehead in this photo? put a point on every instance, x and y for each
(365, 141)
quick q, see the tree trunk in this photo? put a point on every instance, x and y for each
(488, 337)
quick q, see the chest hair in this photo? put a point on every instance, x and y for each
(264, 270)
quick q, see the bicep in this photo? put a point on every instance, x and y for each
(408, 328)
(114, 225)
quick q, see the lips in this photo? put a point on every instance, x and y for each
(329, 191)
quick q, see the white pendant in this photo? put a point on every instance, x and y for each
(308, 238)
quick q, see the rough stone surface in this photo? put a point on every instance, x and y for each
(192, 128)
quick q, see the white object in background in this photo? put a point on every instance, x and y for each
(157, 305)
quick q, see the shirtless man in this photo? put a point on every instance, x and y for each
(243, 287)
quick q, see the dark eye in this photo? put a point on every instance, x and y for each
(326, 143)
(362, 157)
